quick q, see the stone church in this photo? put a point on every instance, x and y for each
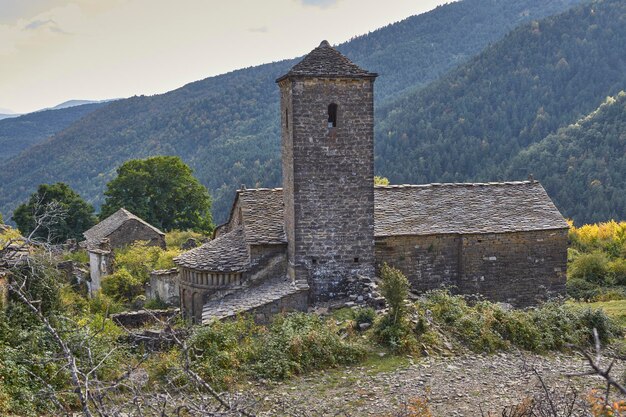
(329, 226)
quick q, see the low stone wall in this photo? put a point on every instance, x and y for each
(134, 319)
(164, 285)
(293, 302)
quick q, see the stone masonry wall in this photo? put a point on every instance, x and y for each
(163, 285)
(293, 302)
(328, 176)
(132, 231)
(519, 268)
(429, 262)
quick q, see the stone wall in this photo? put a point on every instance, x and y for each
(327, 180)
(100, 264)
(270, 262)
(163, 285)
(519, 268)
(131, 231)
(293, 302)
(134, 319)
(429, 262)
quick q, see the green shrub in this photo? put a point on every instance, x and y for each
(220, 350)
(395, 288)
(101, 303)
(592, 267)
(80, 256)
(139, 259)
(394, 329)
(121, 285)
(299, 342)
(155, 304)
(175, 238)
(364, 315)
(579, 289)
(617, 270)
(609, 294)
(486, 327)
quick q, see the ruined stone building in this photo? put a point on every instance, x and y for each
(283, 249)
(120, 229)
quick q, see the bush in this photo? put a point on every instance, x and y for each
(101, 303)
(300, 342)
(175, 238)
(79, 256)
(121, 286)
(579, 289)
(394, 329)
(155, 304)
(139, 259)
(592, 267)
(617, 271)
(486, 327)
(395, 288)
(364, 315)
(220, 350)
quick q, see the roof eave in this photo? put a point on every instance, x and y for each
(371, 75)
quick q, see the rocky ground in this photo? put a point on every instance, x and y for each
(468, 385)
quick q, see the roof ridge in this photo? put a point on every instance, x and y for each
(456, 184)
(327, 62)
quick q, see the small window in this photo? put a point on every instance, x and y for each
(287, 118)
(356, 260)
(332, 115)
(314, 261)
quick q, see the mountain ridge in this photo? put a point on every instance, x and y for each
(226, 127)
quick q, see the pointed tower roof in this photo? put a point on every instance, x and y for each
(325, 61)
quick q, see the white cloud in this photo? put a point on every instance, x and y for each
(319, 3)
(68, 49)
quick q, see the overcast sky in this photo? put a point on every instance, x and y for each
(56, 50)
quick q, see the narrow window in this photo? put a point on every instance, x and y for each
(287, 118)
(332, 115)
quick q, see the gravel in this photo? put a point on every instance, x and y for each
(467, 385)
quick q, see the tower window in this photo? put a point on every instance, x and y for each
(287, 118)
(332, 115)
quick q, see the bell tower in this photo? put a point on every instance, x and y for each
(327, 124)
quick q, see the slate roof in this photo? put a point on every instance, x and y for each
(472, 208)
(226, 253)
(262, 210)
(464, 209)
(326, 61)
(107, 226)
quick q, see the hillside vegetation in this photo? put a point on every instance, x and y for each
(19, 133)
(472, 123)
(583, 166)
(226, 127)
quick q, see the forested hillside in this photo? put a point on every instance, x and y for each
(226, 127)
(470, 124)
(583, 166)
(19, 133)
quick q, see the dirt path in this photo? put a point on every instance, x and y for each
(456, 386)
